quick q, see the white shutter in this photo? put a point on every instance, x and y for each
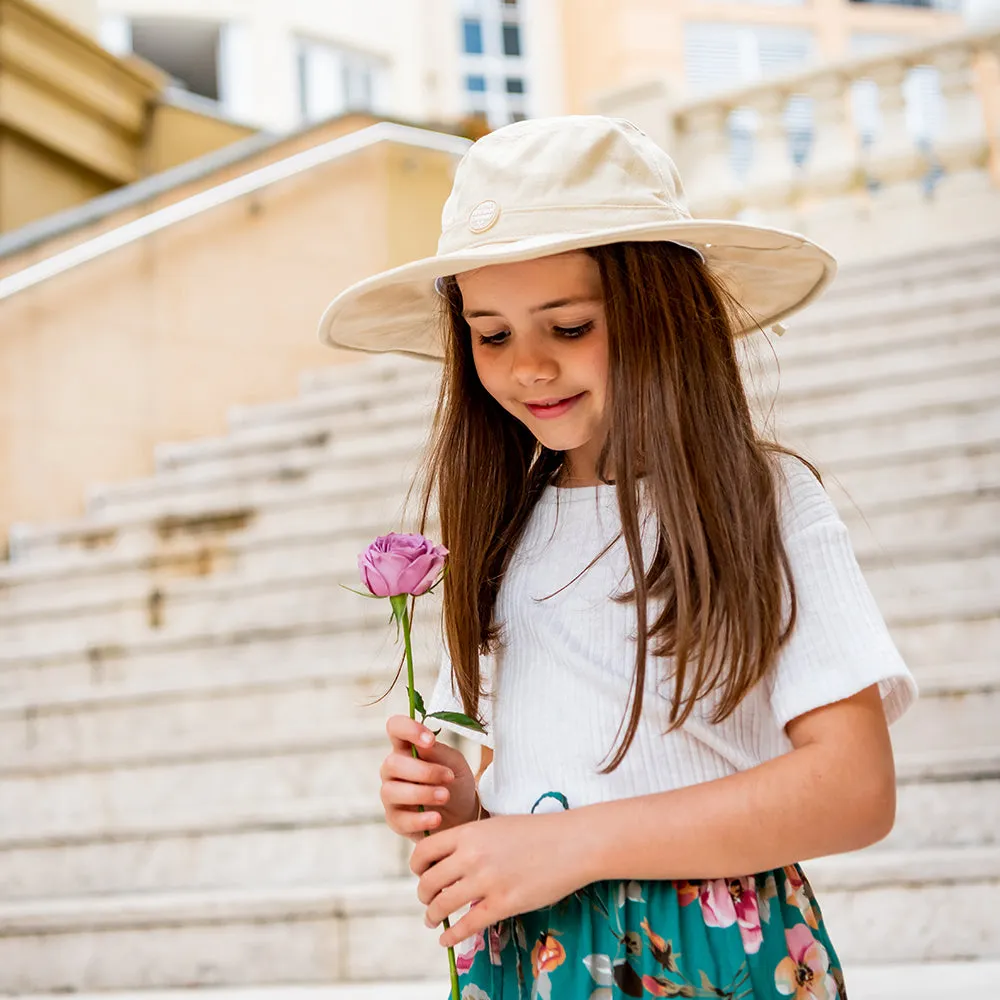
(722, 56)
(235, 71)
(322, 81)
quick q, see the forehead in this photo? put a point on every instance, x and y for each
(574, 272)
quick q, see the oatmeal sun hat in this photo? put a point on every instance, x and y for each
(548, 185)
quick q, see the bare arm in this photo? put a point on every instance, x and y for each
(834, 792)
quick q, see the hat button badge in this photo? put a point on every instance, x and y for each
(484, 216)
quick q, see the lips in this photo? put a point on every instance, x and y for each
(547, 409)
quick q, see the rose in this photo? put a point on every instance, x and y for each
(400, 566)
(396, 564)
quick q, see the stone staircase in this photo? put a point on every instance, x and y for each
(189, 775)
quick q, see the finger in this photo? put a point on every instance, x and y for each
(437, 878)
(411, 823)
(404, 732)
(449, 900)
(476, 920)
(407, 793)
(403, 767)
(431, 850)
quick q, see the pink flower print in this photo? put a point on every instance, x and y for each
(725, 902)
(804, 974)
(471, 947)
(798, 895)
(499, 938)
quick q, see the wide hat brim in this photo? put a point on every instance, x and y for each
(771, 273)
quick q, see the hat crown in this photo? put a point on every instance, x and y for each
(566, 175)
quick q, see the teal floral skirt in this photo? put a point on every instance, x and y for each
(754, 937)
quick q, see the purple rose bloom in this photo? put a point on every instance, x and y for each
(401, 564)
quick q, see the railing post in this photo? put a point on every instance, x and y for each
(834, 157)
(769, 181)
(961, 139)
(893, 151)
(703, 158)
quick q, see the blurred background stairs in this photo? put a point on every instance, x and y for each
(188, 772)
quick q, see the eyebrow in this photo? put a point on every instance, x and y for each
(554, 304)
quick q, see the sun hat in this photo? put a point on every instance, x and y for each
(548, 185)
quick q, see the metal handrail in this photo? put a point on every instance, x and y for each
(226, 192)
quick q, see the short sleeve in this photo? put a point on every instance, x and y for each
(445, 697)
(840, 643)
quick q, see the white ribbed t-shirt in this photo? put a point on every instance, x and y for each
(560, 679)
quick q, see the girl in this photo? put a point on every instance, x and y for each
(684, 680)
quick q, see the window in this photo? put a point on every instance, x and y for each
(515, 85)
(187, 50)
(472, 36)
(333, 80)
(475, 83)
(511, 40)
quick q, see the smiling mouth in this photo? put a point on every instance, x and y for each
(553, 407)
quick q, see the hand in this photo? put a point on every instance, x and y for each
(506, 864)
(408, 782)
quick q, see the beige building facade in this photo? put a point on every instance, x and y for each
(280, 66)
(155, 340)
(694, 47)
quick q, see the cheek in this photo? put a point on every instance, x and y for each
(488, 373)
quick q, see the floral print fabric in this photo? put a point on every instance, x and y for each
(756, 937)
(750, 938)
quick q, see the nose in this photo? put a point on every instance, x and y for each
(530, 363)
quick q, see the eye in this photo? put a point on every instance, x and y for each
(570, 332)
(494, 340)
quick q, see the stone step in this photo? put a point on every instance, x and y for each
(45, 801)
(365, 933)
(214, 715)
(289, 935)
(425, 989)
(957, 710)
(846, 306)
(840, 378)
(928, 905)
(913, 434)
(920, 981)
(913, 981)
(896, 300)
(322, 537)
(158, 661)
(809, 392)
(239, 511)
(953, 802)
(222, 709)
(946, 798)
(272, 844)
(205, 538)
(976, 423)
(915, 268)
(941, 374)
(912, 584)
(413, 403)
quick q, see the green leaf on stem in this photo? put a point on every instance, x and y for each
(418, 702)
(458, 719)
(361, 593)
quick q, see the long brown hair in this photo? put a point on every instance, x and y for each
(681, 424)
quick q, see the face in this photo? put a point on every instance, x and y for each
(540, 346)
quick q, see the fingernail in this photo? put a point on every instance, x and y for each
(440, 795)
(449, 775)
(427, 739)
